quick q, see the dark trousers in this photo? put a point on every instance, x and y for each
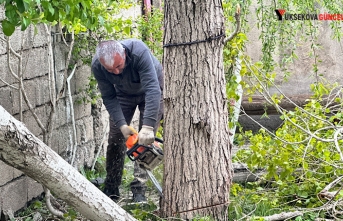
(116, 149)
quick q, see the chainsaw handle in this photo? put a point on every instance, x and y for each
(158, 140)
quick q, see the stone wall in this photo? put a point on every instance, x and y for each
(16, 189)
(91, 121)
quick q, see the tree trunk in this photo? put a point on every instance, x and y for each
(197, 166)
(21, 149)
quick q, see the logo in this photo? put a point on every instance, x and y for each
(279, 13)
(282, 15)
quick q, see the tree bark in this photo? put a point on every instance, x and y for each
(197, 166)
(21, 149)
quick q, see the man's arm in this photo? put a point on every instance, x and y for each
(149, 81)
(108, 95)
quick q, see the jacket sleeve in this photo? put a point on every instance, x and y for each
(108, 94)
(150, 84)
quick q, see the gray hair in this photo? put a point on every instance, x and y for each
(107, 49)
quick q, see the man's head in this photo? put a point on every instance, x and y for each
(112, 56)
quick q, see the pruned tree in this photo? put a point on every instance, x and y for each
(197, 167)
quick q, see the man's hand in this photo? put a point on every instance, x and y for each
(127, 131)
(146, 136)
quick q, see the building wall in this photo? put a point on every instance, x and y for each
(91, 121)
(297, 85)
(16, 189)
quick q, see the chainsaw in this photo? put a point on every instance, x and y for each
(147, 157)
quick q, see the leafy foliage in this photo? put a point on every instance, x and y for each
(303, 156)
(74, 15)
(150, 28)
(99, 169)
(116, 27)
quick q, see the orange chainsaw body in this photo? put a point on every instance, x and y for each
(147, 156)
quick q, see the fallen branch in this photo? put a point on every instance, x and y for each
(283, 216)
(326, 194)
(22, 150)
(242, 174)
(330, 205)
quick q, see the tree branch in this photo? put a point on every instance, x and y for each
(340, 130)
(325, 192)
(67, 65)
(21, 85)
(9, 85)
(61, 31)
(281, 93)
(100, 146)
(8, 59)
(238, 25)
(72, 116)
(24, 151)
(53, 211)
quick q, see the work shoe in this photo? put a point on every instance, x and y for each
(97, 182)
(112, 193)
(139, 198)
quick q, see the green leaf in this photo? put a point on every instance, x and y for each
(11, 14)
(7, 27)
(51, 9)
(101, 20)
(20, 6)
(127, 30)
(25, 23)
(35, 30)
(52, 17)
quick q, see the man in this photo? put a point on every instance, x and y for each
(128, 76)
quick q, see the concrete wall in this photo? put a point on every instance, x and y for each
(330, 53)
(16, 189)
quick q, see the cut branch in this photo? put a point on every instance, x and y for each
(283, 216)
(22, 150)
(326, 194)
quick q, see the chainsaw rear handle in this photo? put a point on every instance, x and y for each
(158, 140)
(136, 150)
